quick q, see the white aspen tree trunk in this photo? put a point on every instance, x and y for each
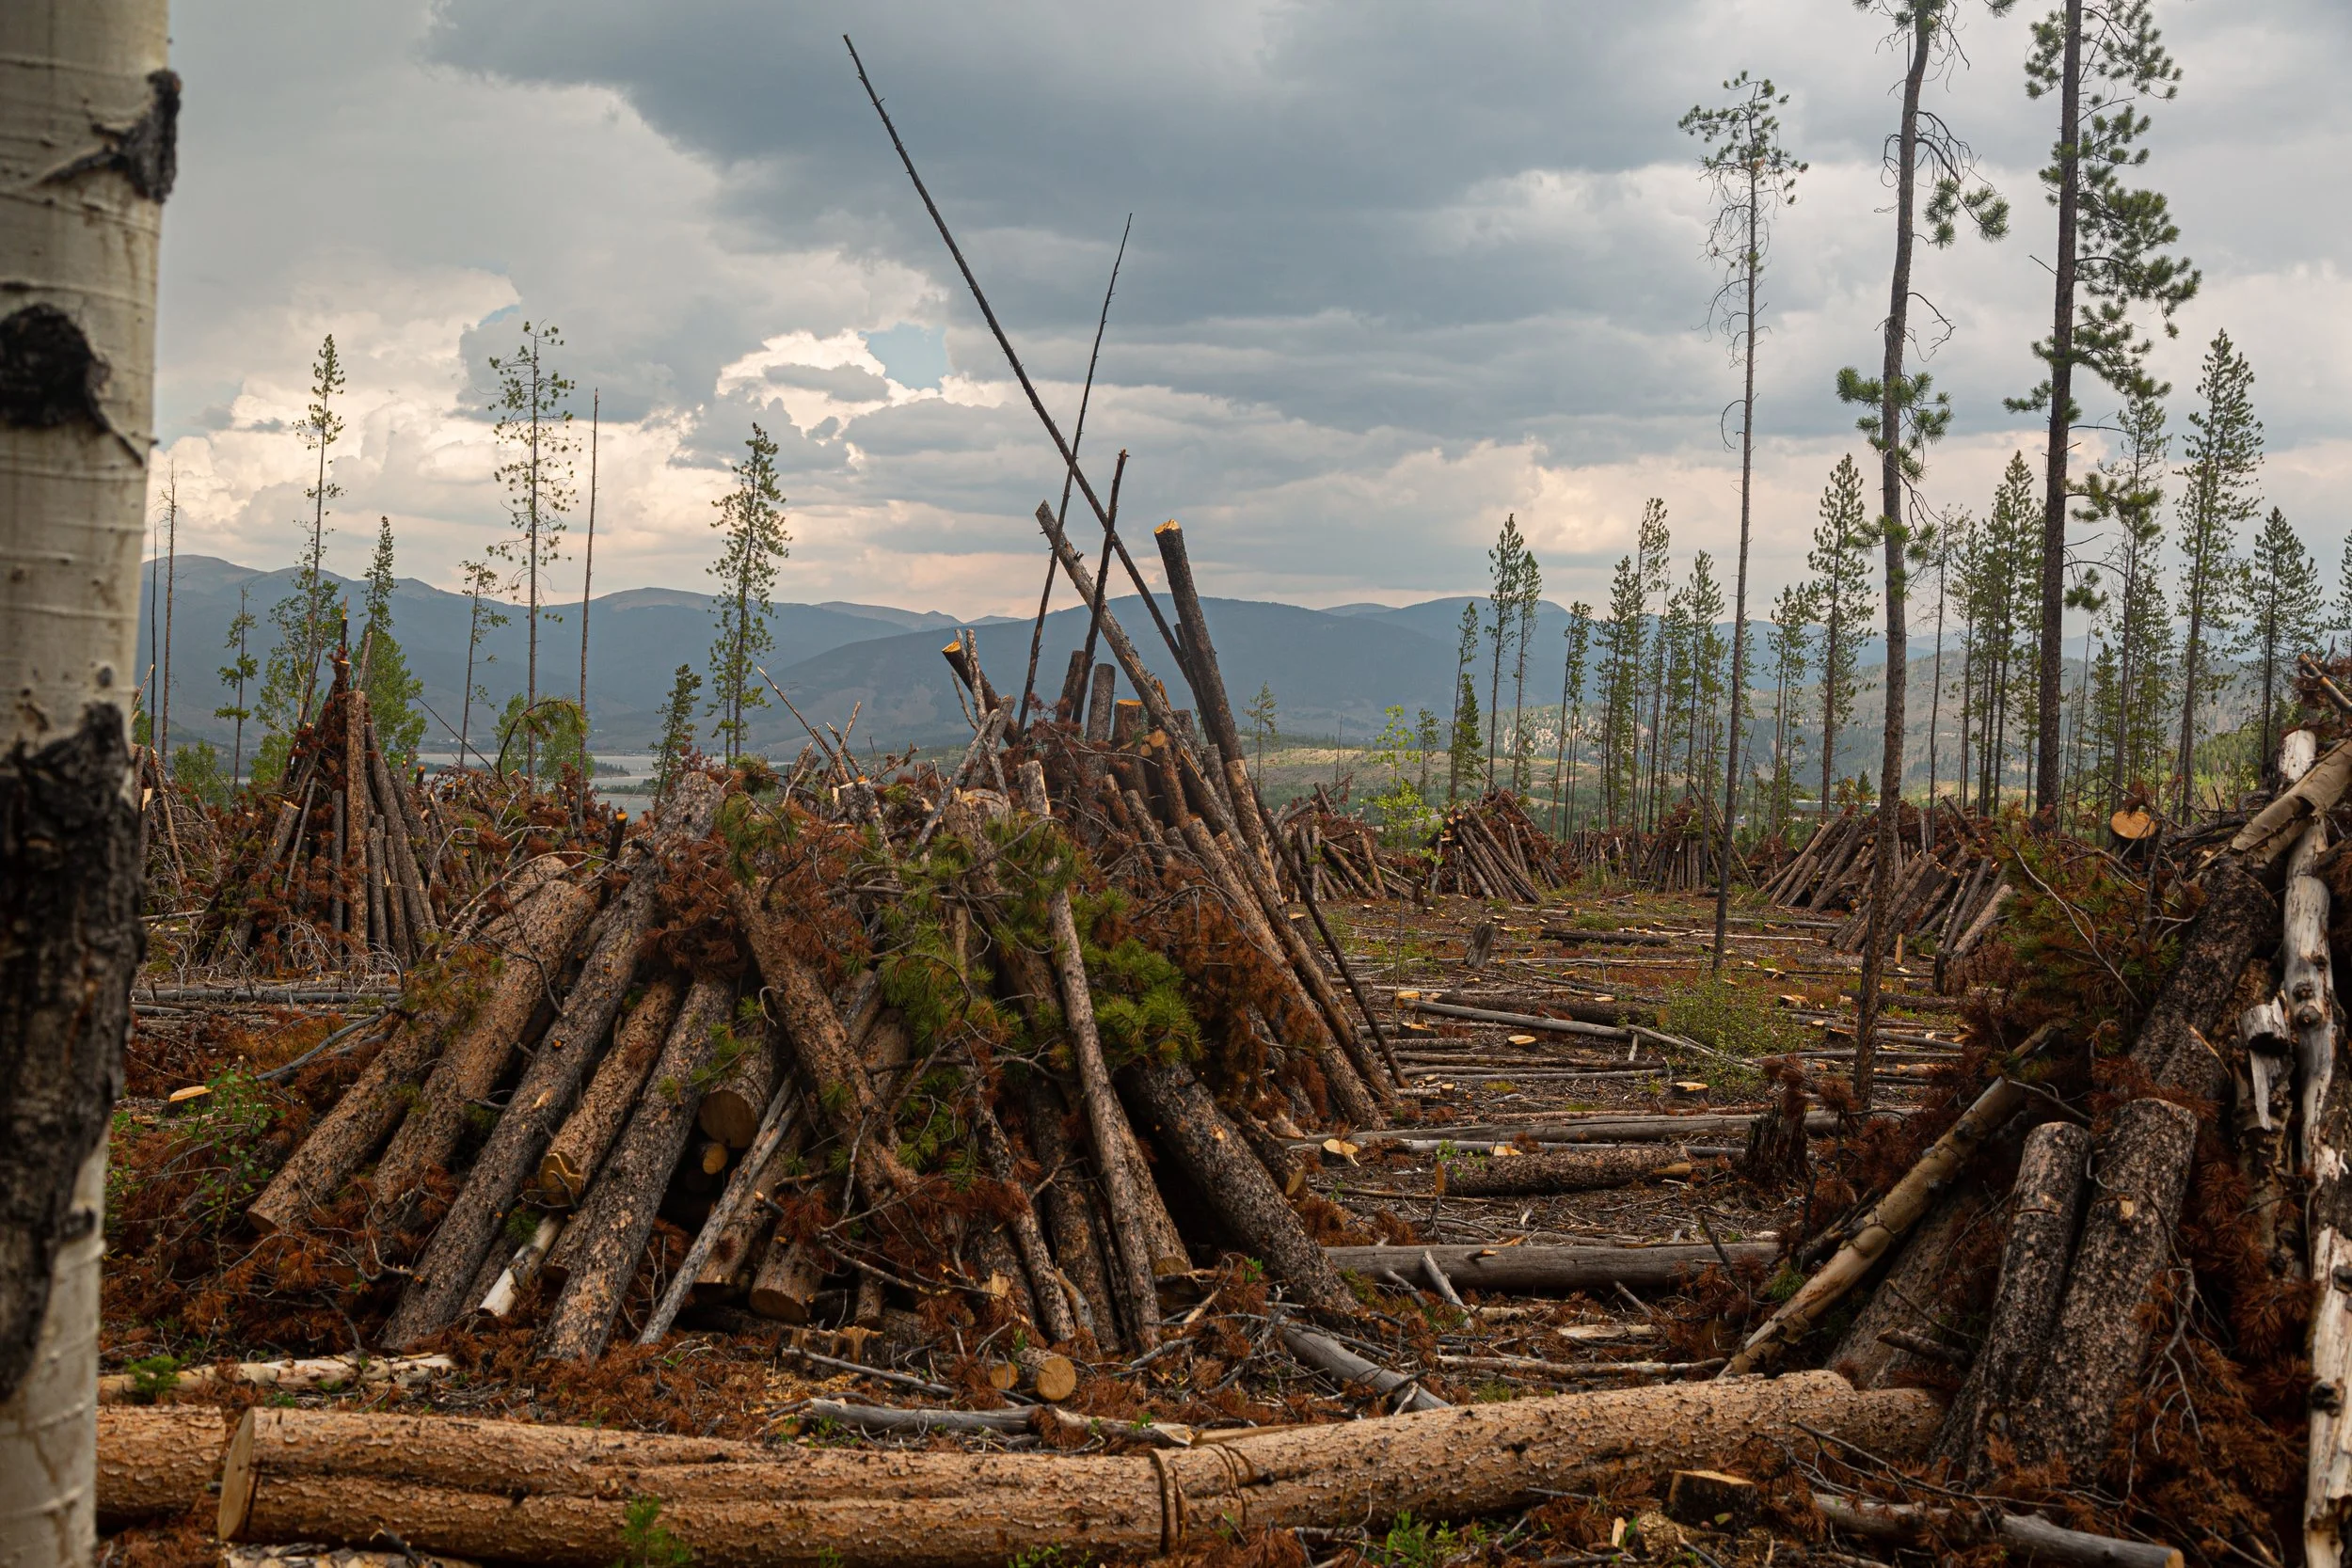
(87, 115)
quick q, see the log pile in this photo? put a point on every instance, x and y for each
(1949, 888)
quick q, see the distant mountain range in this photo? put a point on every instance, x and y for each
(1332, 670)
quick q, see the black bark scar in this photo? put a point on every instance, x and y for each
(49, 373)
(145, 153)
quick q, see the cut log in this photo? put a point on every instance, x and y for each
(1054, 1313)
(2045, 1206)
(290, 1375)
(2276, 828)
(727, 1265)
(605, 1242)
(157, 1460)
(374, 1105)
(1530, 1270)
(531, 973)
(2238, 920)
(2140, 1171)
(2029, 1534)
(1902, 1330)
(437, 1292)
(734, 1105)
(1412, 1000)
(820, 1049)
(560, 1496)
(1327, 1355)
(1877, 1230)
(579, 1148)
(1566, 1171)
(1185, 1123)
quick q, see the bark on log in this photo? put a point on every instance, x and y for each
(474, 1062)
(1053, 1308)
(2239, 919)
(605, 1242)
(1105, 1120)
(306, 1373)
(2045, 1206)
(379, 1098)
(1068, 1212)
(1901, 1332)
(1185, 1121)
(436, 1293)
(821, 1049)
(1565, 1171)
(1877, 1230)
(732, 1109)
(727, 1266)
(561, 1494)
(1328, 1354)
(157, 1460)
(1553, 1270)
(579, 1145)
(2029, 1534)
(1412, 1000)
(2328, 1490)
(2141, 1170)
(400, 841)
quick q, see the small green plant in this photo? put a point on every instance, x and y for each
(152, 1376)
(1417, 1543)
(1738, 1022)
(645, 1543)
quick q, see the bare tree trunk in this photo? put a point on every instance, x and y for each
(2048, 672)
(80, 212)
(1891, 402)
(1739, 592)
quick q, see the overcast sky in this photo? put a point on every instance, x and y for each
(1395, 272)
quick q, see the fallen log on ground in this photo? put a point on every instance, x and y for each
(1566, 1171)
(560, 1496)
(1412, 1002)
(302, 1374)
(157, 1460)
(1553, 1270)
(2027, 1533)
(1327, 1355)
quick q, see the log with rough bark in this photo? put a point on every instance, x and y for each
(530, 974)
(1905, 1326)
(1414, 1002)
(1069, 1211)
(1562, 1171)
(1186, 1125)
(820, 1049)
(578, 1146)
(374, 1105)
(2029, 1534)
(604, 1244)
(438, 1289)
(157, 1460)
(1119, 1176)
(1056, 1312)
(1877, 1230)
(2139, 1171)
(560, 1496)
(2045, 1205)
(2239, 919)
(1535, 1270)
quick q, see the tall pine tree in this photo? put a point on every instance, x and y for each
(534, 440)
(392, 691)
(2104, 60)
(2218, 495)
(1840, 593)
(2283, 616)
